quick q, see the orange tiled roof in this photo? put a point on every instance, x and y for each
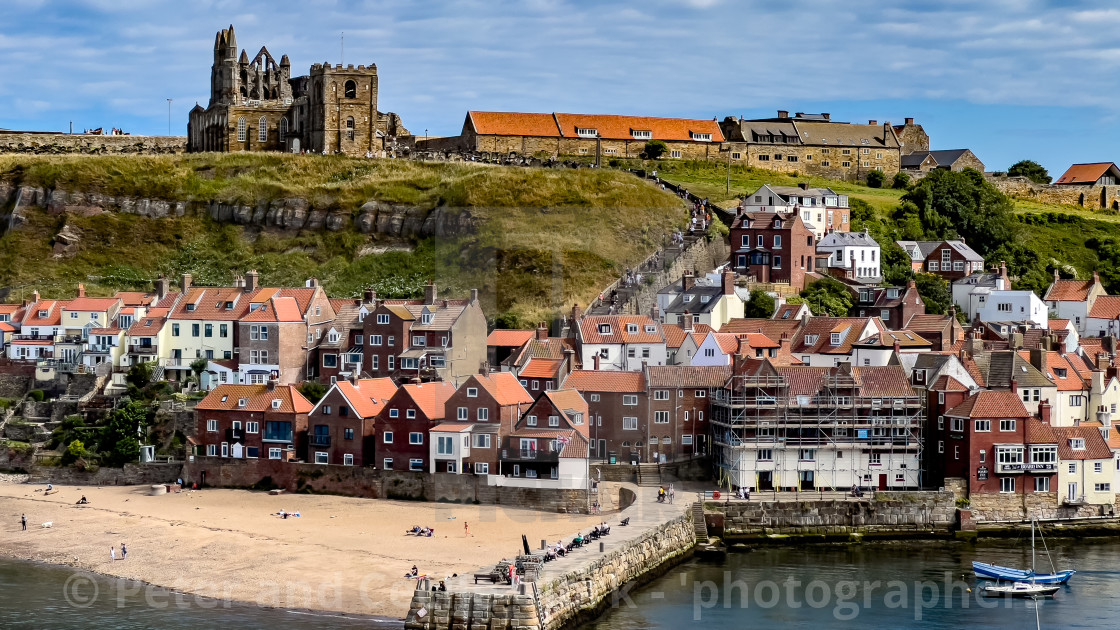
(258, 398)
(729, 343)
(1054, 365)
(54, 313)
(1106, 307)
(6, 327)
(946, 383)
(990, 404)
(589, 329)
(514, 124)
(1084, 173)
(210, 303)
(1095, 445)
(135, 298)
(569, 400)
(368, 396)
(91, 304)
(674, 335)
(614, 127)
(276, 309)
(1069, 290)
(1057, 324)
(509, 338)
(605, 381)
(504, 388)
(541, 368)
(772, 328)
(430, 397)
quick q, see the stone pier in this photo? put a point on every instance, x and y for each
(571, 589)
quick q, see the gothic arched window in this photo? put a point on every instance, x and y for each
(351, 89)
(283, 129)
(262, 130)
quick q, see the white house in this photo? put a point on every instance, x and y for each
(852, 255)
(1005, 306)
(711, 302)
(821, 209)
(621, 342)
(1073, 299)
(449, 445)
(981, 279)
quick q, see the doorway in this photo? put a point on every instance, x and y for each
(807, 480)
(766, 480)
(1072, 493)
(882, 482)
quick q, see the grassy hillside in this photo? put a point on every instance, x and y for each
(584, 224)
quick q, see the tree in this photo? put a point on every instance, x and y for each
(948, 204)
(1031, 170)
(119, 443)
(876, 179)
(901, 180)
(759, 305)
(198, 366)
(935, 292)
(140, 375)
(75, 451)
(654, 149)
(828, 296)
(313, 391)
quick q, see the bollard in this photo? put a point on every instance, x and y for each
(602, 546)
(544, 544)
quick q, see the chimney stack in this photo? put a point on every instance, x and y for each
(35, 296)
(783, 113)
(1043, 410)
(474, 296)
(312, 283)
(909, 121)
(81, 290)
(596, 362)
(1014, 386)
(271, 384)
(803, 185)
(873, 122)
(826, 115)
(185, 282)
(570, 360)
(163, 287)
(728, 281)
(577, 312)
(1104, 417)
(688, 322)
(687, 281)
(430, 293)
(542, 331)
(251, 278)
(369, 296)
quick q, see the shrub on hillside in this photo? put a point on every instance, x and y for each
(876, 179)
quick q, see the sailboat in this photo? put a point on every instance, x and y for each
(1023, 583)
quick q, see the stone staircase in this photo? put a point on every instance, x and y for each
(699, 523)
(649, 475)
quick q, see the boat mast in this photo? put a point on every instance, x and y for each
(1032, 550)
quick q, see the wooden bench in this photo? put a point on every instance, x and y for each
(493, 576)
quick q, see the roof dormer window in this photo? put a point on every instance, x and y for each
(1077, 444)
(229, 306)
(811, 339)
(587, 132)
(650, 328)
(778, 224)
(631, 328)
(701, 137)
(641, 134)
(190, 307)
(276, 403)
(835, 339)
(604, 329)
(42, 314)
(704, 299)
(426, 319)
(1060, 372)
(242, 403)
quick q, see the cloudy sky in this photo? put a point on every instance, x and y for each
(1009, 79)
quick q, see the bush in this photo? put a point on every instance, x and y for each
(313, 391)
(654, 149)
(75, 451)
(876, 179)
(963, 502)
(901, 180)
(37, 395)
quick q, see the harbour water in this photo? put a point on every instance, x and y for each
(912, 585)
(920, 585)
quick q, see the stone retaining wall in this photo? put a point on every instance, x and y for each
(564, 601)
(378, 484)
(129, 475)
(57, 143)
(1035, 505)
(886, 513)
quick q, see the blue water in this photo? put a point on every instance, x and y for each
(40, 596)
(873, 586)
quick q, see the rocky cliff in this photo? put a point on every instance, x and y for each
(291, 213)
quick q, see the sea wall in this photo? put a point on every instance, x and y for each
(563, 601)
(377, 484)
(292, 213)
(1035, 505)
(888, 514)
(59, 143)
(128, 475)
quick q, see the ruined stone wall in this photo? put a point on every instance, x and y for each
(57, 143)
(1105, 198)
(832, 162)
(564, 601)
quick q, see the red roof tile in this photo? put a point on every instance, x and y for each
(514, 124)
(509, 338)
(277, 309)
(368, 396)
(97, 305)
(606, 381)
(772, 328)
(1084, 173)
(430, 397)
(258, 398)
(1069, 290)
(1095, 445)
(504, 388)
(54, 313)
(990, 404)
(946, 383)
(619, 329)
(541, 368)
(1106, 307)
(613, 127)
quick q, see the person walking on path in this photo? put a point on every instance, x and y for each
(672, 493)
(23, 521)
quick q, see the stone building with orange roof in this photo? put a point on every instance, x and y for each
(589, 135)
(1073, 299)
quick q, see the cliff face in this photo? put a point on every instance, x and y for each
(393, 220)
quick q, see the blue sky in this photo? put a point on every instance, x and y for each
(1009, 79)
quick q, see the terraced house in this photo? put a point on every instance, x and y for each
(251, 421)
(342, 426)
(817, 145)
(605, 135)
(478, 418)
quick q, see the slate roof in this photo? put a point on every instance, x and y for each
(835, 240)
(920, 250)
(695, 300)
(887, 339)
(226, 398)
(606, 381)
(990, 404)
(998, 367)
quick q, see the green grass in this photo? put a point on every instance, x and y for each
(585, 225)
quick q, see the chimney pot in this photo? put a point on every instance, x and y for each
(430, 293)
(873, 122)
(783, 113)
(81, 290)
(909, 121)
(826, 115)
(251, 277)
(185, 282)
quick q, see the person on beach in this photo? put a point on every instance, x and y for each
(23, 521)
(112, 553)
(124, 552)
(466, 529)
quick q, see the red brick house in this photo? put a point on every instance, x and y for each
(252, 421)
(404, 422)
(486, 407)
(952, 260)
(679, 409)
(996, 445)
(894, 305)
(618, 412)
(553, 429)
(341, 428)
(772, 247)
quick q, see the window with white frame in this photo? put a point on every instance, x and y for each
(482, 440)
(629, 423)
(416, 464)
(1006, 485)
(661, 417)
(481, 468)
(212, 426)
(415, 438)
(629, 400)
(387, 437)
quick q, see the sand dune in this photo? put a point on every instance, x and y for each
(343, 554)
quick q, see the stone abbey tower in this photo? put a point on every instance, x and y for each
(257, 106)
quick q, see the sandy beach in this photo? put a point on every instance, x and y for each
(342, 554)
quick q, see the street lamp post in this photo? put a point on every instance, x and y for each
(169, 116)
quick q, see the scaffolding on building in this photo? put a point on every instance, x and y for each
(757, 414)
